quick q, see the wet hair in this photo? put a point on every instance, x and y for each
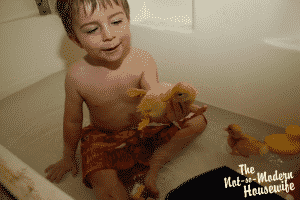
(68, 9)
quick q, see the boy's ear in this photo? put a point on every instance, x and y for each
(133, 92)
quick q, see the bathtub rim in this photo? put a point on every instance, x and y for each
(43, 187)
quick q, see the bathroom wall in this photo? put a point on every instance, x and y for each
(227, 59)
(174, 15)
(225, 56)
(16, 9)
(33, 48)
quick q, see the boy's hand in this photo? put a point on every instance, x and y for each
(59, 169)
(178, 110)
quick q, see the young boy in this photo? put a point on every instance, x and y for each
(101, 79)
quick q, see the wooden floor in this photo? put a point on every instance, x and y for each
(4, 194)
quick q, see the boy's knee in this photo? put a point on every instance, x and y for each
(198, 124)
(107, 178)
(106, 185)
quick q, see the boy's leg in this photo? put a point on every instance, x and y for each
(106, 185)
(192, 128)
(189, 132)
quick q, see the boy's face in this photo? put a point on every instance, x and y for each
(102, 31)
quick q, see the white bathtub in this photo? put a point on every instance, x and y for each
(32, 105)
(31, 138)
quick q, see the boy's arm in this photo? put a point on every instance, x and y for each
(73, 116)
(150, 80)
(150, 74)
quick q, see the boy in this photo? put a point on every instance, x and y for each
(101, 79)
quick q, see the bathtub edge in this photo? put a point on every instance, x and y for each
(25, 183)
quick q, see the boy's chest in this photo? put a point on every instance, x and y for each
(102, 86)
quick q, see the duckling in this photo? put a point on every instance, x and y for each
(154, 101)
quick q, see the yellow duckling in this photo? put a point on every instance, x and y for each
(154, 101)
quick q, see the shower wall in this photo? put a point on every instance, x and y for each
(225, 56)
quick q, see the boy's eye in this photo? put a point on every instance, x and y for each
(92, 31)
(117, 22)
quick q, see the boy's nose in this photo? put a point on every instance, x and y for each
(107, 34)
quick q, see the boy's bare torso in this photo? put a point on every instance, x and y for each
(104, 91)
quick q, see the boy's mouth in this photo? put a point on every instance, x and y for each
(111, 49)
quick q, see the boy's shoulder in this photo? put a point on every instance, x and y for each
(74, 70)
(143, 58)
(140, 53)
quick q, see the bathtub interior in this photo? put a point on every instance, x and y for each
(31, 122)
(32, 101)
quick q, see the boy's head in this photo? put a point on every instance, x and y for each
(97, 26)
